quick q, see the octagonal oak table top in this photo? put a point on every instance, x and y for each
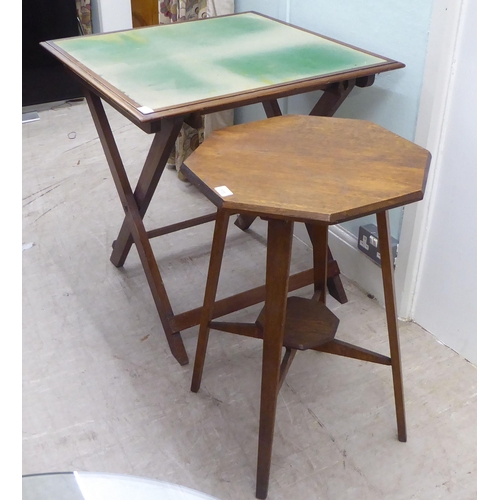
(307, 168)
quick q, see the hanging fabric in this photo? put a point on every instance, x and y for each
(84, 13)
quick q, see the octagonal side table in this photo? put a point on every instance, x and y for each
(320, 171)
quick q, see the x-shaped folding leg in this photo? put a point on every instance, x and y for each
(135, 204)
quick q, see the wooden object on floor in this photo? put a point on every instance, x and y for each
(320, 171)
(135, 71)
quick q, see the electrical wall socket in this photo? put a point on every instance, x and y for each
(368, 243)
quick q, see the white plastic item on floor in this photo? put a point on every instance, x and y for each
(103, 486)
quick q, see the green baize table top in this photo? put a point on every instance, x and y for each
(165, 66)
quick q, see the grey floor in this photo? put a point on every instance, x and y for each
(101, 391)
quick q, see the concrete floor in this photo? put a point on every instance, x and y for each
(101, 391)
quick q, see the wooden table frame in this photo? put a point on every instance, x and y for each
(166, 124)
(275, 366)
(325, 192)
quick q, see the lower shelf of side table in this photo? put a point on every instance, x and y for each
(309, 323)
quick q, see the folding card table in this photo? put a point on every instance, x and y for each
(162, 76)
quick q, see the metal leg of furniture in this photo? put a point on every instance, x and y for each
(279, 249)
(392, 319)
(135, 227)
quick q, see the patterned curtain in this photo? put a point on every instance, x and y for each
(182, 10)
(84, 13)
(190, 138)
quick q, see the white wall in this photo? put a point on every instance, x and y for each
(446, 288)
(111, 15)
(277, 8)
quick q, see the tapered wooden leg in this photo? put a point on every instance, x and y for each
(272, 108)
(279, 250)
(286, 362)
(244, 221)
(332, 98)
(216, 254)
(135, 226)
(392, 319)
(319, 240)
(333, 281)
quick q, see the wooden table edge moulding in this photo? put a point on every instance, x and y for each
(165, 123)
(373, 171)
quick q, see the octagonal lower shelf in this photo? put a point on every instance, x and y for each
(309, 323)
